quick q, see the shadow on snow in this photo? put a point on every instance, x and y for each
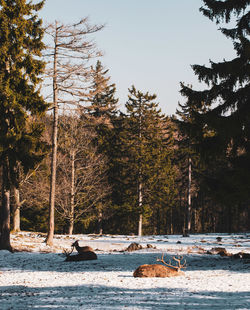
(113, 262)
(108, 297)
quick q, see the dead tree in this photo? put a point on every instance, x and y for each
(69, 52)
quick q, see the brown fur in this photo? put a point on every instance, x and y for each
(80, 257)
(156, 270)
(82, 249)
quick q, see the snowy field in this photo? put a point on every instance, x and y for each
(37, 277)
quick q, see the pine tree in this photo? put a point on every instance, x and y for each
(102, 108)
(100, 115)
(102, 94)
(148, 166)
(220, 114)
(21, 103)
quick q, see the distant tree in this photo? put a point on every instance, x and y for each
(81, 170)
(21, 103)
(69, 51)
(148, 165)
(221, 129)
(99, 115)
(101, 95)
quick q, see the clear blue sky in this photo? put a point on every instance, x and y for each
(148, 43)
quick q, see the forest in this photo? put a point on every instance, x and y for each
(72, 161)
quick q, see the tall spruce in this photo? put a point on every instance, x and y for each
(148, 166)
(221, 113)
(102, 94)
(100, 115)
(21, 103)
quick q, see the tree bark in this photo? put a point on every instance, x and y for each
(140, 206)
(189, 198)
(5, 209)
(16, 210)
(140, 225)
(51, 224)
(100, 229)
(139, 179)
(72, 194)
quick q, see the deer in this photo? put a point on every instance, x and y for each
(84, 253)
(81, 249)
(161, 271)
(89, 255)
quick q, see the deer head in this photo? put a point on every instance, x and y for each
(75, 244)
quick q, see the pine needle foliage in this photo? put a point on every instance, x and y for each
(21, 103)
(220, 114)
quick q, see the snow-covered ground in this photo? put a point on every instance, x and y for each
(38, 277)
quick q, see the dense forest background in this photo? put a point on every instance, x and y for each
(124, 171)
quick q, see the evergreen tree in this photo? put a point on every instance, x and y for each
(220, 123)
(21, 103)
(102, 94)
(100, 115)
(148, 166)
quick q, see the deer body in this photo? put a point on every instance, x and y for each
(81, 257)
(81, 249)
(84, 253)
(156, 270)
(160, 271)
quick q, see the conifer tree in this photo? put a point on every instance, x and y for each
(100, 115)
(148, 166)
(21, 103)
(220, 114)
(102, 94)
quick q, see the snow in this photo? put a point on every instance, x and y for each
(37, 277)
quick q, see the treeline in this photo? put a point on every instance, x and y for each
(119, 170)
(73, 162)
(122, 172)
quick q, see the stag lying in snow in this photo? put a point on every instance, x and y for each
(81, 249)
(84, 253)
(161, 271)
(80, 257)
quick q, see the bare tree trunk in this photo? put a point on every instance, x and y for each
(140, 206)
(189, 198)
(72, 194)
(16, 210)
(139, 179)
(5, 210)
(171, 221)
(100, 230)
(140, 225)
(51, 225)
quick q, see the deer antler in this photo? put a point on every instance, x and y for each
(178, 260)
(68, 253)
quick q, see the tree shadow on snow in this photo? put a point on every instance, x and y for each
(122, 262)
(111, 297)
